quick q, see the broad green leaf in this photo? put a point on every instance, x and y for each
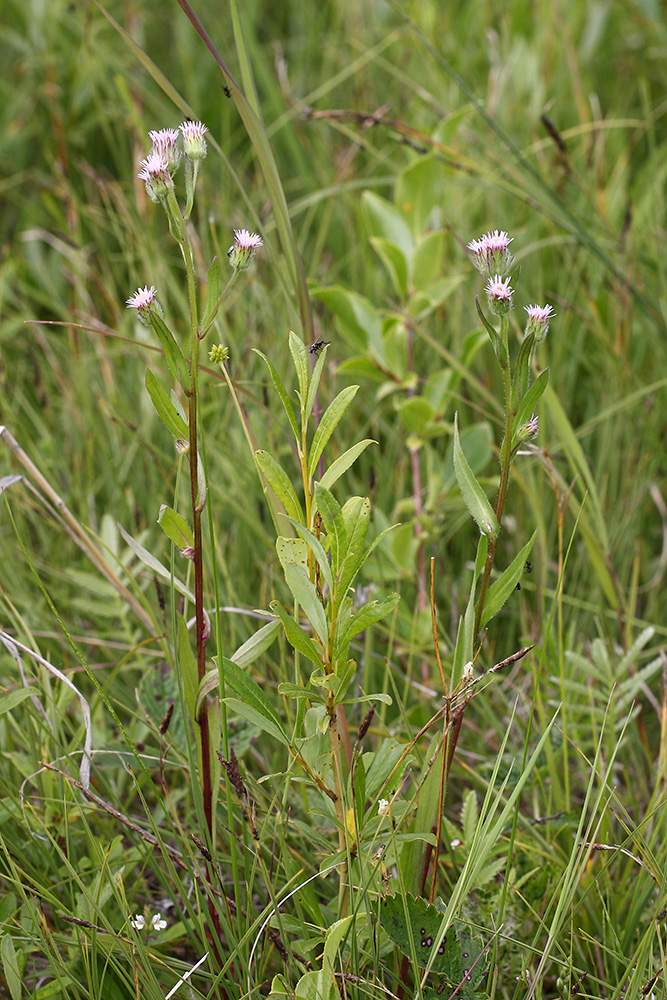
(256, 644)
(395, 262)
(248, 710)
(415, 413)
(10, 964)
(530, 400)
(172, 351)
(367, 616)
(175, 527)
(355, 554)
(427, 266)
(418, 191)
(165, 409)
(252, 695)
(301, 365)
(305, 594)
(282, 392)
(334, 524)
(328, 423)
(473, 495)
(343, 462)
(501, 589)
(386, 220)
(296, 636)
(315, 382)
(357, 318)
(313, 542)
(280, 483)
(153, 564)
(14, 698)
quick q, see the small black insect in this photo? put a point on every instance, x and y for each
(518, 586)
(226, 91)
(529, 566)
(318, 345)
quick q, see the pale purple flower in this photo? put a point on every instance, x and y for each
(529, 430)
(538, 321)
(194, 143)
(164, 143)
(492, 254)
(500, 294)
(242, 252)
(144, 300)
(155, 173)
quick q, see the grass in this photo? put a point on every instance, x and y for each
(558, 752)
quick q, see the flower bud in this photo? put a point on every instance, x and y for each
(500, 294)
(538, 321)
(194, 143)
(218, 354)
(528, 430)
(491, 253)
(164, 144)
(242, 252)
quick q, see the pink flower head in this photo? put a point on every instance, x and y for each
(155, 173)
(164, 143)
(194, 144)
(538, 321)
(492, 254)
(242, 252)
(500, 294)
(143, 301)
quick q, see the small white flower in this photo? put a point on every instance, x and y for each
(500, 294)
(383, 807)
(194, 143)
(144, 300)
(242, 252)
(492, 253)
(158, 922)
(155, 174)
(538, 321)
(164, 144)
(138, 922)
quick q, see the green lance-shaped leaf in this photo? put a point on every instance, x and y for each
(14, 698)
(175, 527)
(315, 382)
(262, 712)
(334, 524)
(153, 564)
(282, 392)
(367, 616)
(473, 495)
(165, 409)
(280, 483)
(501, 589)
(315, 544)
(343, 462)
(522, 371)
(213, 291)
(328, 423)
(530, 401)
(256, 644)
(10, 965)
(293, 555)
(187, 666)
(172, 352)
(296, 636)
(300, 358)
(357, 514)
(465, 636)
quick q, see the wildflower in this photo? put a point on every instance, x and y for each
(155, 173)
(492, 254)
(144, 301)
(158, 922)
(500, 294)
(538, 321)
(529, 430)
(164, 144)
(194, 144)
(242, 253)
(383, 807)
(138, 922)
(219, 354)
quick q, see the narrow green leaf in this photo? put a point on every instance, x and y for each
(251, 693)
(343, 462)
(165, 409)
(187, 666)
(521, 371)
(10, 965)
(315, 382)
(153, 564)
(172, 351)
(247, 710)
(213, 290)
(313, 542)
(355, 555)
(296, 636)
(327, 425)
(530, 401)
(301, 365)
(332, 519)
(304, 593)
(473, 495)
(395, 262)
(256, 644)
(14, 698)
(175, 527)
(367, 616)
(297, 691)
(282, 392)
(501, 589)
(280, 483)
